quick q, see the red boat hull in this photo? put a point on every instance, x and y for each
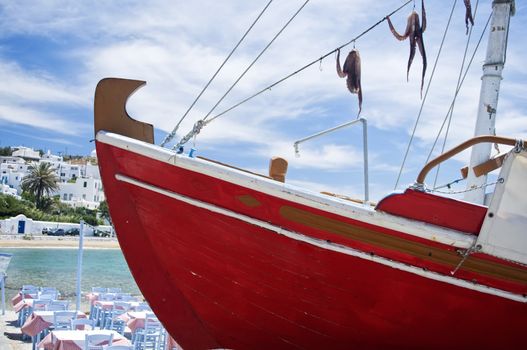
(217, 281)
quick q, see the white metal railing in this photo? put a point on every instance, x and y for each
(364, 141)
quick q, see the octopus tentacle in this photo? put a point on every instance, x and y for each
(423, 16)
(351, 70)
(414, 31)
(394, 32)
(354, 76)
(421, 46)
(339, 70)
(413, 41)
(468, 14)
(360, 95)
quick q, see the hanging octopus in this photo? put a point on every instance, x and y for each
(351, 70)
(468, 14)
(414, 31)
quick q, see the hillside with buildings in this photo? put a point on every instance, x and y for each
(79, 180)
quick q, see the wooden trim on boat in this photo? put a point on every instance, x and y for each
(485, 167)
(111, 95)
(422, 251)
(480, 139)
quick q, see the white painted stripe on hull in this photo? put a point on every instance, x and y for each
(324, 244)
(292, 193)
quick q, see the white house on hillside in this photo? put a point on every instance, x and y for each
(91, 170)
(79, 181)
(84, 192)
(67, 172)
(12, 170)
(51, 157)
(26, 153)
(5, 189)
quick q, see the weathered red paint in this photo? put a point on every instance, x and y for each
(437, 210)
(216, 281)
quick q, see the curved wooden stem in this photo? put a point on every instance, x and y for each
(479, 139)
(110, 113)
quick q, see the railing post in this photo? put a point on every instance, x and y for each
(364, 143)
(79, 265)
(2, 276)
(365, 151)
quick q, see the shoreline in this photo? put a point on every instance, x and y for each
(55, 242)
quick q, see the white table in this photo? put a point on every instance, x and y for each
(74, 340)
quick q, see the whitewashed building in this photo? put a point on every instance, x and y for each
(92, 170)
(68, 172)
(84, 192)
(5, 189)
(21, 224)
(26, 153)
(79, 181)
(12, 170)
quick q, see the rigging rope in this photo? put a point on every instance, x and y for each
(170, 136)
(192, 133)
(424, 98)
(200, 123)
(457, 86)
(460, 85)
(256, 59)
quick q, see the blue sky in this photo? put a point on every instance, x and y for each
(53, 53)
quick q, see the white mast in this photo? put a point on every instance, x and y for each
(488, 98)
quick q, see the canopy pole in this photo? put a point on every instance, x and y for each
(2, 282)
(79, 265)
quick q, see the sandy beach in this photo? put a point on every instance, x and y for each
(41, 241)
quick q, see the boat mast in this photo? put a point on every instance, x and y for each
(488, 98)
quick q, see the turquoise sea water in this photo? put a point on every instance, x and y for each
(58, 268)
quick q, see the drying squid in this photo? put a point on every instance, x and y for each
(414, 31)
(351, 70)
(468, 14)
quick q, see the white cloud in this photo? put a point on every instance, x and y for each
(38, 119)
(35, 87)
(177, 46)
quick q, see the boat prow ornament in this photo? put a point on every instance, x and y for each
(110, 113)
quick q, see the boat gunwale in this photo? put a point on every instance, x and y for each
(356, 211)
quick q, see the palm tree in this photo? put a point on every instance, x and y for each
(40, 181)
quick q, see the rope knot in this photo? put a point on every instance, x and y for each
(196, 129)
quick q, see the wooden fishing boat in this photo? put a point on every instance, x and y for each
(232, 259)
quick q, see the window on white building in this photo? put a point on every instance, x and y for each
(83, 196)
(65, 196)
(85, 184)
(71, 196)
